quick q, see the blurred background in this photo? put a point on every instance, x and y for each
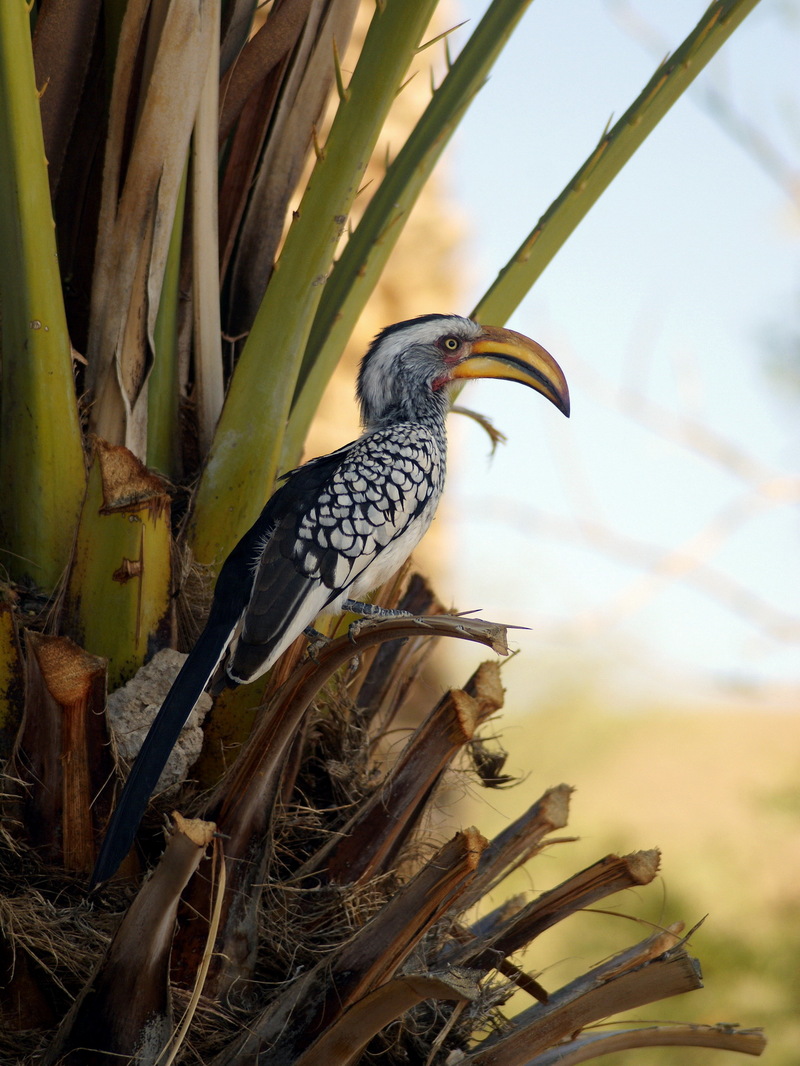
(665, 512)
(647, 546)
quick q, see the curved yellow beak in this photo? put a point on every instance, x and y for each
(502, 353)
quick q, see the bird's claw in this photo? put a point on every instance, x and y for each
(354, 629)
(316, 642)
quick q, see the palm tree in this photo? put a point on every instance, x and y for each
(197, 291)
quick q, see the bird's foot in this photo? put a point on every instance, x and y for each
(369, 611)
(372, 610)
(316, 642)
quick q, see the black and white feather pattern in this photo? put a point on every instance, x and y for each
(349, 521)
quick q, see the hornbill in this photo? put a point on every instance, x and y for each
(337, 527)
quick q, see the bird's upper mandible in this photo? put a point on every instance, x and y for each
(405, 374)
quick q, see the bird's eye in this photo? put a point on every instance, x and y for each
(450, 344)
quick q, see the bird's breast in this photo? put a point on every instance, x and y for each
(374, 510)
(387, 562)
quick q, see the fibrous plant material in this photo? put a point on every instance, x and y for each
(605, 878)
(381, 962)
(521, 840)
(11, 672)
(242, 806)
(656, 968)
(364, 962)
(591, 1045)
(368, 844)
(126, 1007)
(334, 964)
(344, 1040)
(386, 672)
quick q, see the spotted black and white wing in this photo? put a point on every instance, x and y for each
(352, 518)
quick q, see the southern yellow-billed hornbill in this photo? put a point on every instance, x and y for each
(338, 527)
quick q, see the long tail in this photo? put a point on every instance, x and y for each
(186, 690)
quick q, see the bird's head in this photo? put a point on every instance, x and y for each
(406, 372)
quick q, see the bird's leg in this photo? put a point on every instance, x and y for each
(372, 610)
(367, 611)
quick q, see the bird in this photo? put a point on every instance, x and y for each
(337, 527)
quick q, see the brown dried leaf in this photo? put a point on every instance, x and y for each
(126, 1004)
(655, 969)
(141, 201)
(319, 998)
(592, 1045)
(604, 878)
(346, 1039)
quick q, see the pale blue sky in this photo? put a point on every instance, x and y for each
(669, 287)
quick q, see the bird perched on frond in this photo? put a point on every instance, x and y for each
(337, 527)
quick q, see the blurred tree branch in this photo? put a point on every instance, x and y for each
(716, 102)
